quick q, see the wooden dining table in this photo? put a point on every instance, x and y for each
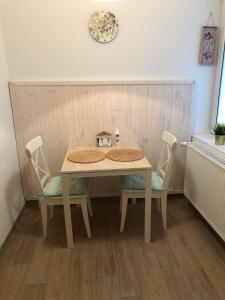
(105, 167)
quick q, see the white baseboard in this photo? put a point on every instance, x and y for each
(107, 195)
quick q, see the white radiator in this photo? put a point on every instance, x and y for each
(205, 184)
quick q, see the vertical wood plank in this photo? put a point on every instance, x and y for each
(71, 114)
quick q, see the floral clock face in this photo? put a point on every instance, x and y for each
(103, 26)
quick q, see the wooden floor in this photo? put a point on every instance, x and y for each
(187, 262)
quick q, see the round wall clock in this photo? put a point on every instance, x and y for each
(103, 26)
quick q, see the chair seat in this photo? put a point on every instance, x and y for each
(78, 186)
(137, 182)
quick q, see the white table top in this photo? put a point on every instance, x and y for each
(106, 164)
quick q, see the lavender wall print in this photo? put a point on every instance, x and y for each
(208, 45)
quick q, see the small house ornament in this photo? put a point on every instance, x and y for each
(104, 139)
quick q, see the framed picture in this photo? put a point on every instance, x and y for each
(208, 45)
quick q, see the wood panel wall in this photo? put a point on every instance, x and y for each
(69, 113)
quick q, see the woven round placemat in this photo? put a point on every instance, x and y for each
(124, 155)
(86, 156)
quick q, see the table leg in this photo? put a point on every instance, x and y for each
(67, 211)
(148, 205)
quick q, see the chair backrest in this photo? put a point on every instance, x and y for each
(35, 154)
(166, 157)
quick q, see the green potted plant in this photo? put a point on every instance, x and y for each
(219, 132)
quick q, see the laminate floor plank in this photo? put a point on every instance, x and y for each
(127, 272)
(185, 262)
(40, 264)
(34, 292)
(178, 284)
(131, 298)
(106, 288)
(207, 295)
(104, 255)
(193, 235)
(214, 242)
(13, 241)
(164, 254)
(214, 269)
(192, 268)
(83, 279)
(12, 281)
(5, 260)
(152, 282)
(21, 228)
(84, 249)
(60, 274)
(25, 252)
(103, 245)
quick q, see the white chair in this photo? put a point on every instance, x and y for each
(133, 186)
(51, 189)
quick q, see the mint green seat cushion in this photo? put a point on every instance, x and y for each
(78, 186)
(137, 182)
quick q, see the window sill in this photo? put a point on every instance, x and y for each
(208, 141)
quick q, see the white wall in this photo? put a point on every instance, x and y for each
(158, 39)
(11, 197)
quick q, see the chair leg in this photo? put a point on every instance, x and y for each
(164, 209)
(51, 210)
(44, 215)
(121, 203)
(133, 201)
(85, 216)
(89, 206)
(124, 201)
(158, 205)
